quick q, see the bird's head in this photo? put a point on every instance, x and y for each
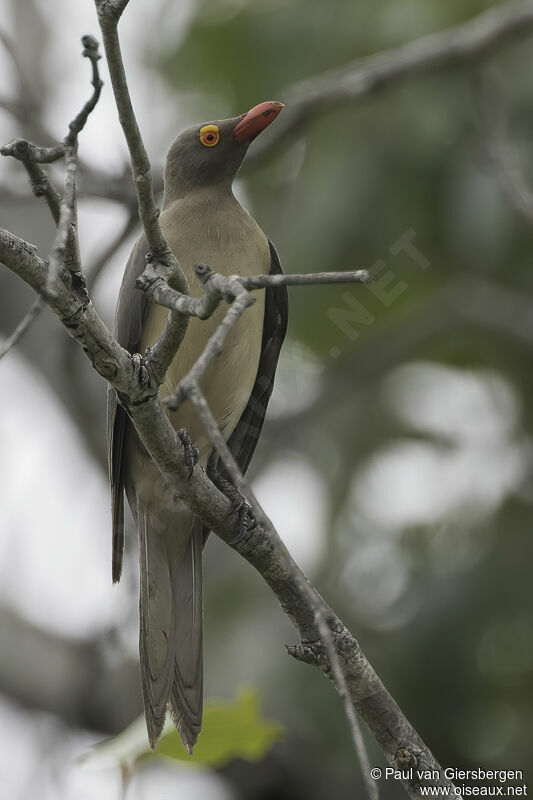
(211, 154)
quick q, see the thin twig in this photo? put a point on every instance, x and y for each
(90, 51)
(163, 260)
(241, 299)
(23, 150)
(196, 396)
(42, 186)
(339, 680)
(66, 241)
(66, 221)
(307, 279)
(35, 309)
(108, 15)
(218, 287)
(65, 249)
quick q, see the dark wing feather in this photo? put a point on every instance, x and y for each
(244, 438)
(131, 309)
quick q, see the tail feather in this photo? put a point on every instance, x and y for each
(170, 552)
(186, 695)
(118, 535)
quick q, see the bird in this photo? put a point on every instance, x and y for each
(202, 222)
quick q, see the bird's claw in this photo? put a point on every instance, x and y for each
(239, 506)
(245, 521)
(140, 370)
(191, 452)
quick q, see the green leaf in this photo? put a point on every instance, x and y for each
(231, 729)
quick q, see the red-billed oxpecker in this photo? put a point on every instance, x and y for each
(202, 222)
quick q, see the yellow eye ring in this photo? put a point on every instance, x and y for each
(209, 135)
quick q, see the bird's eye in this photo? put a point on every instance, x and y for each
(209, 135)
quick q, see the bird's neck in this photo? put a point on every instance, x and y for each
(214, 193)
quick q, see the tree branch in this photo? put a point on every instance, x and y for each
(35, 309)
(337, 675)
(65, 249)
(66, 243)
(218, 287)
(324, 639)
(470, 43)
(261, 547)
(163, 260)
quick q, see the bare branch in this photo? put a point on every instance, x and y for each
(65, 249)
(90, 51)
(119, 6)
(470, 43)
(261, 546)
(342, 688)
(23, 150)
(76, 313)
(193, 392)
(218, 287)
(43, 187)
(66, 223)
(241, 300)
(137, 382)
(163, 260)
(307, 279)
(108, 13)
(197, 397)
(36, 308)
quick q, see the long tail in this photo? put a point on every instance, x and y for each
(170, 555)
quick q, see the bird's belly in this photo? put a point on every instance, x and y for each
(228, 380)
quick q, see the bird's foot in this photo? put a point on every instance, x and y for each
(139, 369)
(239, 506)
(191, 452)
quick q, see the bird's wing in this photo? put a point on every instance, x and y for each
(244, 438)
(131, 309)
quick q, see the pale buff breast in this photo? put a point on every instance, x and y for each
(218, 232)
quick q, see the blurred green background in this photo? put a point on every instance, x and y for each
(397, 457)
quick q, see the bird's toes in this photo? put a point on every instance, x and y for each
(245, 521)
(139, 368)
(191, 453)
(239, 506)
